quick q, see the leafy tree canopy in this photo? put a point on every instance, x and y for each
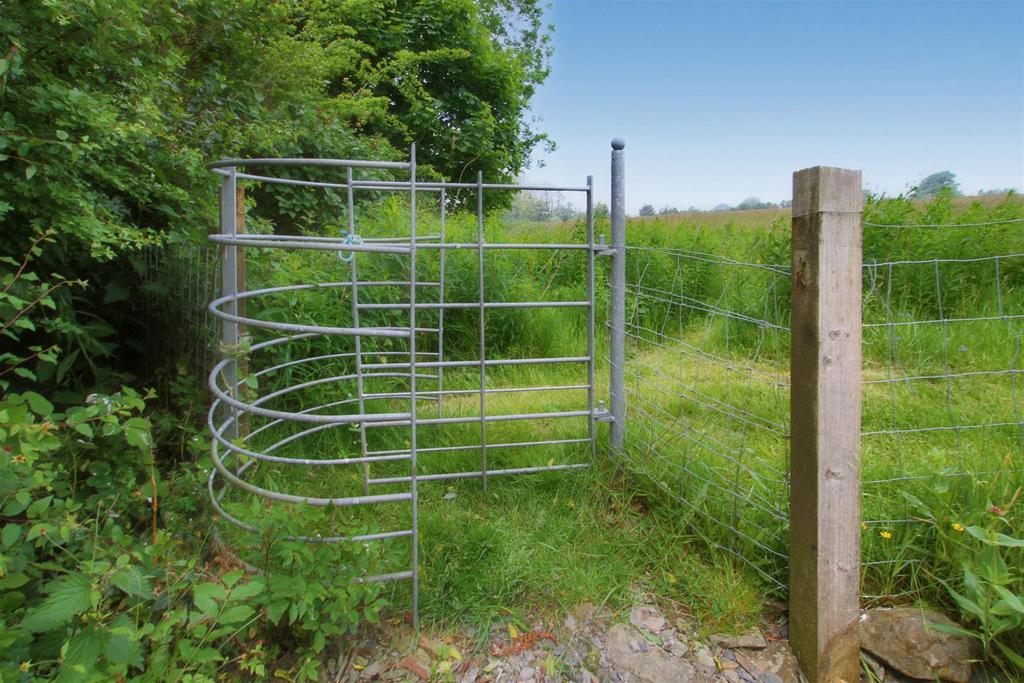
(109, 110)
(935, 183)
(647, 210)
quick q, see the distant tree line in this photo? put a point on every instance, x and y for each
(929, 186)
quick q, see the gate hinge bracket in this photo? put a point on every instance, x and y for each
(601, 413)
(602, 249)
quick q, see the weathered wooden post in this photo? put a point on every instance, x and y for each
(825, 408)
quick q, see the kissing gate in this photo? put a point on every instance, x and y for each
(378, 367)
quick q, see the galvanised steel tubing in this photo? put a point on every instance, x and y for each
(401, 422)
(293, 327)
(357, 339)
(315, 501)
(482, 308)
(310, 383)
(435, 185)
(412, 390)
(452, 449)
(504, 390)
(265, 454)
(482, 474)
(330, 356)
(397, 576)
(229, 283)
(401, 242)
(335, 163)
(487, 305)
(216, 497)
(490, 363)
(591, 427)
(618, 313)
(311, 243)
(300, 417)
(502, 245)
(323, 406)
(440, 314)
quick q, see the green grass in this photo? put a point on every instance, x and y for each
(705, 469)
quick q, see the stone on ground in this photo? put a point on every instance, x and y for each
(653, 666)
(647, 617)
(901, 638)
(751, 640)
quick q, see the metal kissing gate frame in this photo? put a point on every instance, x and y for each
(238, 447)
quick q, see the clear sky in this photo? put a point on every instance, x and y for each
(722, 100)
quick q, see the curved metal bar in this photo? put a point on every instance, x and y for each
(333, 163)
(315, 501)
(315, 243)
(215, 499)
(254, 409)
(294, 327)
(265, 454)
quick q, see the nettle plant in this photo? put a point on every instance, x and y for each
(92, 586)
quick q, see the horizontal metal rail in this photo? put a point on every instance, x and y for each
(476, 447)
(331, 163)
(494, 362)
(315, 501)
(446, 476)
(306, 243)
(474, 305)
(475, 419)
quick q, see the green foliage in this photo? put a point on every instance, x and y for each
(91, 586)
(109, 110)
(934, 184)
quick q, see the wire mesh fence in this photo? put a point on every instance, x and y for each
(707, 394)
(707, 386)
(178, 280)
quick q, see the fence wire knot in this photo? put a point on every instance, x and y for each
(350, 238)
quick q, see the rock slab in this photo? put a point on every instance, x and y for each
(653, 666)
(902, 639)
(647, 617)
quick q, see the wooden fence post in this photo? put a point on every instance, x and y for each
(825, 410)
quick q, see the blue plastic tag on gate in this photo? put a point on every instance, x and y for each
(350, 238)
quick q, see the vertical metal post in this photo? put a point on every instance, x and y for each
(825, 414)
(229, 287)
(618, 314)
(357, 338)
(412, 392)
(590, 315)
(440, 311)
(483, 347)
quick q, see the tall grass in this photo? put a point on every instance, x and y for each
(537, 541)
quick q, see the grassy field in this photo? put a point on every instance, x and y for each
(706, 464)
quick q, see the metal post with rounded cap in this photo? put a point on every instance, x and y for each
(617, 323)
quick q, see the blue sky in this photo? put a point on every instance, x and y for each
(722, 100)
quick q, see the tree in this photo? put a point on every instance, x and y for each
(453, 76)
(540, 206)
(601, 210)
(722, 207)
(935, 183)
(647, 210)
(666, 210)
(111, 108)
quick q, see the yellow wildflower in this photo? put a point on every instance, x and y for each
(958, 527)
(885, 534)
(25, 666)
